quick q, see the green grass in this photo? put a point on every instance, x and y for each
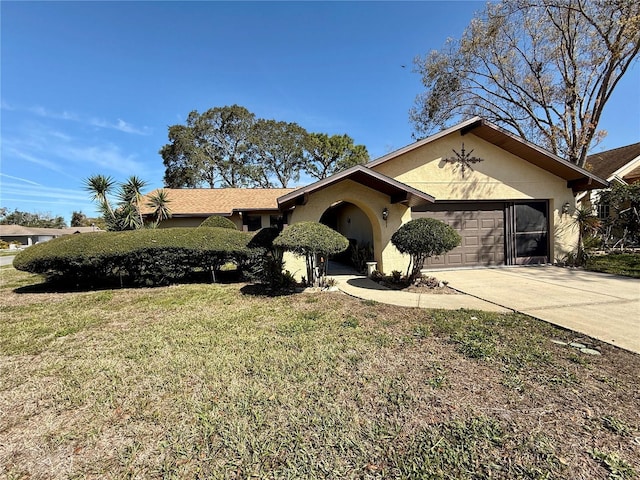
(627, 264)
(203, 381)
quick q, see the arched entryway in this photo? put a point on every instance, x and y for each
(349, 220)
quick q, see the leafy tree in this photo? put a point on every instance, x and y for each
(79, 219)
(624, 208)
(211, 149)
(422, 238)
(184, 163)
(277, 150)
(311, 240)
(327, 155)
(28, 219)
(544, 69)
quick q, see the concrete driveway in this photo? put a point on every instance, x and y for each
(606, 307)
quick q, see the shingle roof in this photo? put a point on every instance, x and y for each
(21, 231)
(220, 201)
(605, 164)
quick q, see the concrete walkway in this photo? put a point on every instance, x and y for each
(606, 307)
(367, 289)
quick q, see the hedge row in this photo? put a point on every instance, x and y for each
(142, 257)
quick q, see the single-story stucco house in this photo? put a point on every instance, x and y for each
(249, 208)
(618, 166)
(27, 236)
(510, 200)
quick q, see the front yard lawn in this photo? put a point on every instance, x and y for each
(627, 264)
(209, 381)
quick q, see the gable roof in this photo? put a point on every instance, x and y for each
(577, 178)
(398, 192)
(204, 202)
(607, 164)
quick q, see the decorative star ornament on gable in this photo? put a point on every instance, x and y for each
(463, 160)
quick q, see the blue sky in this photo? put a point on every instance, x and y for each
(91, 87)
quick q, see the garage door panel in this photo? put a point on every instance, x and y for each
(470, 241)
(481, 228)
(471, 224)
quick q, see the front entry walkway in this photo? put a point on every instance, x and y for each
(606, 307)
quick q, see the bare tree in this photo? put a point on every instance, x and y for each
(544, 69)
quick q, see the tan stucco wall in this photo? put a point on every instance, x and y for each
(196, 221)
(354, 224)
(500, 176)
(371, 203)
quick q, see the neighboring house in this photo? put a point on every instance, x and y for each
(619, 165)
(31, 235)
(249, 208)
(510, 200)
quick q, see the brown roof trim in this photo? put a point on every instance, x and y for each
(577, 178)
(398, 192)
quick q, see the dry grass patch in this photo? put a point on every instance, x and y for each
(203, 381)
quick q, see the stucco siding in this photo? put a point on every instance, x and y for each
(371, 203)
(500, 176)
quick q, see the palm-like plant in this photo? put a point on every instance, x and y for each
(130, 196)
(588, 224)
(159, 202)
(100, 186)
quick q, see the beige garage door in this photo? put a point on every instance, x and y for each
(481, 227)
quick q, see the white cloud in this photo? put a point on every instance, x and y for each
(66, 155)
(19, 179)
(119, 125)
(31, 158)
(104, 156)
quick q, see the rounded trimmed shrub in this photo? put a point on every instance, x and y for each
(309, 240)
(422, 238)
(141, 257)
(219, 222)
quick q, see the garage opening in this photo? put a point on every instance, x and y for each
(493, 233)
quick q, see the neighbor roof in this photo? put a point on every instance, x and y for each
(204, 202)
(608, 163)
(398, 192)
(577, 178)
(21, 231)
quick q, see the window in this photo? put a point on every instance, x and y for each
(276, 221)
(252, 223)
(603, 211)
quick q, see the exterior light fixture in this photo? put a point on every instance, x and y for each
(385, 213)
(565, 208)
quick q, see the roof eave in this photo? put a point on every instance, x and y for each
(398, 192)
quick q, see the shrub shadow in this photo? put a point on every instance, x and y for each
(260, 290)
(69, 286)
